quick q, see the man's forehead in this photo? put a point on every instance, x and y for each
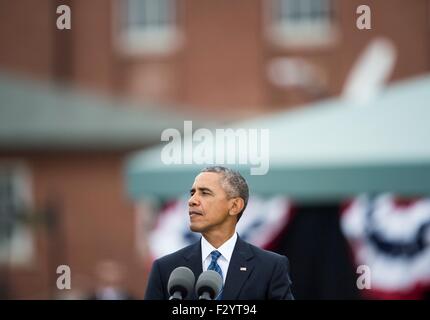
(204, 179)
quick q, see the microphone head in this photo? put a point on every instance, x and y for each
(181, 279)
(209, 282)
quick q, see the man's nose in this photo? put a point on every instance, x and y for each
(193, 201)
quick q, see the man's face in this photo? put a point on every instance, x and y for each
(208, 204)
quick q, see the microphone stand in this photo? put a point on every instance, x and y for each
(205, 296)
(176, 296)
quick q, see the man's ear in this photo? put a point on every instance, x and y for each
(237, 205)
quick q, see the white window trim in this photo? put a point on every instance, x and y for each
(160, 41)
(296, 35)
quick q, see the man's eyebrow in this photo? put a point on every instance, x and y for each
(201, 189)
(205, 189)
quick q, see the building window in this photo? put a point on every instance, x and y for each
(16, 242)
(148, 26)
(302, 22)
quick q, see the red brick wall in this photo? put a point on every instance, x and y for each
(405, 23)
(98, 220)
(224, 54)
(222, 63)
(26, 39)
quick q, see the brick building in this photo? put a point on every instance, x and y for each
(196, 56)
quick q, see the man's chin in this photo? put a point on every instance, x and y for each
(196, 228)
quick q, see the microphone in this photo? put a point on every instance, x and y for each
(209, 285)
(181, 282)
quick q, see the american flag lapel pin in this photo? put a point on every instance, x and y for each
(242, 268)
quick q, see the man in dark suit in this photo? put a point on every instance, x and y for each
(218, 199)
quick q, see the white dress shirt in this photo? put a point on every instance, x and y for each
(226, 250)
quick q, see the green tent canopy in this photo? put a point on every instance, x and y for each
(38, 115)
(327, 151)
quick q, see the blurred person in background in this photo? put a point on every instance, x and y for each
(79, 289)
(109, 286)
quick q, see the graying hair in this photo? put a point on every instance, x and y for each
(233, 183)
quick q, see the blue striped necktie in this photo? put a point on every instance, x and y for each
(215, 267)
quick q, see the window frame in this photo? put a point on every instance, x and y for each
(282, 31)
(18, 249)
(141, 40)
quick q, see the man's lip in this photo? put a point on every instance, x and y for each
(195, 212)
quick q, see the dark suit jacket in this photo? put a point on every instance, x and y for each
(266, 276)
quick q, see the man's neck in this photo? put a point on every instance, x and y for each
(217, 239)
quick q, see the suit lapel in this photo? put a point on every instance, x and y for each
(193, 259)
(240, 268)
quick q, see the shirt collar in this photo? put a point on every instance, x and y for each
(226, 249)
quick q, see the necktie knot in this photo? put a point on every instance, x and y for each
(215, 255)
(214, 264)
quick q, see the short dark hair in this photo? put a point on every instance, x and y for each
(233, 183)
